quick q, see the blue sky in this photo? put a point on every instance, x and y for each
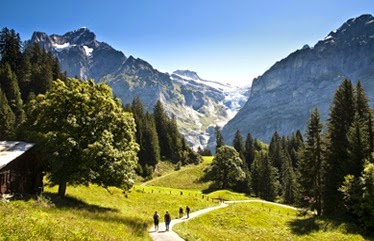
(230, 41)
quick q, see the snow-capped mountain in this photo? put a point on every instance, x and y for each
(234, 96)
(80, 54)
(197, 104)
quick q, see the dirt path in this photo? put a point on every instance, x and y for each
(162, 235)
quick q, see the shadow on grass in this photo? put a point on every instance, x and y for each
(74, 203)
(312, 224)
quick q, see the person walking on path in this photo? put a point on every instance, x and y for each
(167, 220)
(156, 220)
(188, 211)
(180, 212)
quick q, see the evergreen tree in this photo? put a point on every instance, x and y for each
(7, 118)
(219, 138)
(310, 167)
(10, 49)
(161, 121)
(9, 84)
(249, 150)
(267, 183)
(275, 151)
(289, 187)
(342, 112)
(146, 137)
(238, 144)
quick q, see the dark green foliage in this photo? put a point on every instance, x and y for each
(10, 49)
(7, 118)
(249, 150)
(84, 134)
(225, 170)
(264, 181)
(204, 152)
(168, 135)
(238, 144)
(342, 112)
(219, 138)
(9, 85)
(310, 168)
(146, 137)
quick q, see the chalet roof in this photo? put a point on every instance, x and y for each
(10, 150)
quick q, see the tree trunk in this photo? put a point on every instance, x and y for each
(62, 188)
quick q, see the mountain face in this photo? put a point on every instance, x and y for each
(283, 97)
(198, 105)
(80, 54)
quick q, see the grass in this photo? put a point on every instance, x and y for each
(257, 221)
(92, 213)
(185, 178)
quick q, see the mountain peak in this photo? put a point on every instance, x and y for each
(360, 28)
(187, 74)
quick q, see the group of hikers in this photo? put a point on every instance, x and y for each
(167, 217)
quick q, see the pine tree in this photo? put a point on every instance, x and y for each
(267, 186)
(7, 118)
(238, 144)
(161, 121)
(9, 84)
(289, 187)
(146, 137)
(10, 49)
(310, 167)
(249, 150)
(219, 138)
(342, 112)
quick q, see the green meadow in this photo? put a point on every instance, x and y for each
(95, 213)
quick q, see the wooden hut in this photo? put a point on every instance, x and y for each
(19, 170)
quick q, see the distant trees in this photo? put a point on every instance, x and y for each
(84, 134)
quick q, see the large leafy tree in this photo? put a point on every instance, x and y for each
(225, 170)
(310, 167)
(84, 134)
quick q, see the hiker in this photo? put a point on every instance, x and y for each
(188, 211)
(167, 219)
(156, 220)
(180, 212)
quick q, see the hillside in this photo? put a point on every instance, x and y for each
(282, 98)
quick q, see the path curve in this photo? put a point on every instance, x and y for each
(162, 235)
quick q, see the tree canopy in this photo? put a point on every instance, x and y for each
(84, 134)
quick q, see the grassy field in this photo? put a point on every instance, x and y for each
(185, 178)
(257, 221)
(92, 213)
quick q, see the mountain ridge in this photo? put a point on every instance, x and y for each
(197, 104)
(281, 99)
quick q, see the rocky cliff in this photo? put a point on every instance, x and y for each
(282, 98)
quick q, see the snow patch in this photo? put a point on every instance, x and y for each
(88, 50)
(60, 47)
